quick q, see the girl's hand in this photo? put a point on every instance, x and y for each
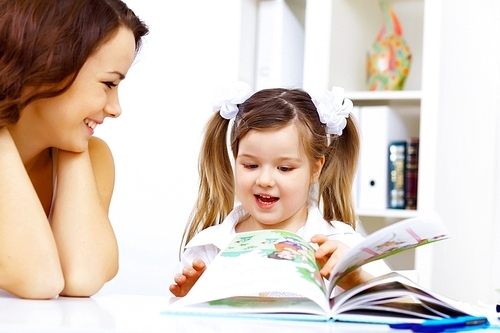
(329, 253)
(185, 280)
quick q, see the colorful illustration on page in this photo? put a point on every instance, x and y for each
(295, 251)
(257, 302)
(393, 244)
(278, 245)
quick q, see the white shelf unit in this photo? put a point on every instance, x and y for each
(338, 35)
(407, 105)
(457, 98)
(410, 96)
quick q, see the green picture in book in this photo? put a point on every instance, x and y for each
(256, 302)
(278, 245)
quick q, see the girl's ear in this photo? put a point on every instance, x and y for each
(316, 169)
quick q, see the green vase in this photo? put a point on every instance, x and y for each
(389, 59)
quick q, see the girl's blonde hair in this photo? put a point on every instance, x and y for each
(275, 108)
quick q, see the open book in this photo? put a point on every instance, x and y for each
(259, 265)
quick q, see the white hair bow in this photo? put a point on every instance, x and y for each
(227, 99)
(333, 109)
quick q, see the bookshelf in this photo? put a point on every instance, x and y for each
(407, 106)
(337, 35)
(385, 97)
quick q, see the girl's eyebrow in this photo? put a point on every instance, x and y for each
(284, 158)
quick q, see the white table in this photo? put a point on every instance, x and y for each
(134, 313)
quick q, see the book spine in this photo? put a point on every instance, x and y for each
(397, 166)
(411, 173)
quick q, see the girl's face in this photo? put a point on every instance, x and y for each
(68, 121)
(273, 177)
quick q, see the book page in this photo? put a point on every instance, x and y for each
(395, 293)
(287, 308)
(261, 262)
(395, 238)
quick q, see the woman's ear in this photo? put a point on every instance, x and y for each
(316, 169)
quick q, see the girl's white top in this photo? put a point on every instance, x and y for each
(209, 242)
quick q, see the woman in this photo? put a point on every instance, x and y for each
(60, 64)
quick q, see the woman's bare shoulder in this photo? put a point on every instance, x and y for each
(98, 145)
(99, 151)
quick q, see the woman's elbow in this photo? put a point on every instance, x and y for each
(85, 285)
(46, 287)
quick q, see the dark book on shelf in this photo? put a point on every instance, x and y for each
(397, 174)
(411, 173)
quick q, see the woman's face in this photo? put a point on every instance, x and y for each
(68, 121)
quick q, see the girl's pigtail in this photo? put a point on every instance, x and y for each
(216, 192)
(337, 176)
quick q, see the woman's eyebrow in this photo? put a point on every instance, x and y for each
(122, 77)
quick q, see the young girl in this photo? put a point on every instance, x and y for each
(283, 143)
(60, 64)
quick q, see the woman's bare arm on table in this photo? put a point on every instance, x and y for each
(29, 261)
(84, 236)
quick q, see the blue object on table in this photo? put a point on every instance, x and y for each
(464, 323)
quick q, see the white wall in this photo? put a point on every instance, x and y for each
(467, 182)
(192, 47)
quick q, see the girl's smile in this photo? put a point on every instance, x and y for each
(265, 201)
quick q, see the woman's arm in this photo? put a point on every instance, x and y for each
(29, 262)
(83, 233)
